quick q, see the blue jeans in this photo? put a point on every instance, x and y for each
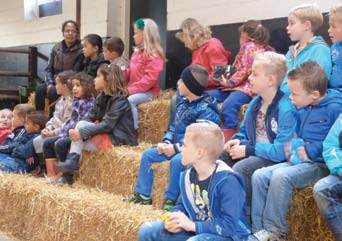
(154, 231)
(145, 176)
(11, 165)
(232, 102)
(327, 193)
(272, 192)
(135, 100)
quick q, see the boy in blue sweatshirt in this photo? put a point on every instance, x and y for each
(273, 186)
(212, 203)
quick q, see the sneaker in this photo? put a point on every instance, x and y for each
(139, 198)
(262, 235)
(168, 204)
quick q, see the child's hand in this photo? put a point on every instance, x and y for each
(169, 150)
(237, 152)
(181, 222)
(74, 135)
(160, 148)
(30, 160)
(45, 132)
(229, 144)
(302, 153)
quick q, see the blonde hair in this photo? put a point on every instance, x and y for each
(336, 10)
(309, 12)
(193, 32)
(152, 42)
(203, 133)
(115, 82)
(273, 63)
(23, 109)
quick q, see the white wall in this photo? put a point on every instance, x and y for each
(216, 12)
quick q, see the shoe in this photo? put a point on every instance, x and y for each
(168, 204)
(70, 165)
(262, 235)
(64, 179)
(139, 198)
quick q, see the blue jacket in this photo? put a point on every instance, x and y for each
(332, 152)
(336, 74)
(314, 123)
(203, 108)
(316, 50)
(280, 121)
(227, 200)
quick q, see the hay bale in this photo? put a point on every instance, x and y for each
(304, 219)
(114, 170)
(33, 210)
(160, 181)
(153, 120)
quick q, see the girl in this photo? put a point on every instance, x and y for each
(57, 146)
(108, 123)
(92, 50)
(65, 55)
(146, 64)
(62, 114)
(5, 123)
(235, 90)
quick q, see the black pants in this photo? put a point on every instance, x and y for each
(56, 147)
(40, 95)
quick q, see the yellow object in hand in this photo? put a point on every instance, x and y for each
(165, 217)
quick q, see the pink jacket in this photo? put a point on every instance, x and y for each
(209, 54)
(143, 74)
(243, 62)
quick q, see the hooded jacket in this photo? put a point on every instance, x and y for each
(336, 74)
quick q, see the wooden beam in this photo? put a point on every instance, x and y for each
(15, 50)
(78, 15)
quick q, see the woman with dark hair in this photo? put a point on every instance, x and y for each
(65, 55)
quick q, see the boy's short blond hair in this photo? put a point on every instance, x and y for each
(309, 12)
(312, 77)
(208, 136)
(336, 11)
(273, 64)
(23, 109)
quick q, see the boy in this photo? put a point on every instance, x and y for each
(112, 51)
(328, 191)
(192, 108)
(22, 157)
(303, 22)
(273, 186)
(268, 124)
(212, 203)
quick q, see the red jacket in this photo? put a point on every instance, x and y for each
(143, 74)
(209, 54)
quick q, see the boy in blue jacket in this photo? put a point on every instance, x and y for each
(212, 203)
(268, 124)
(194, 107)
(273, 186)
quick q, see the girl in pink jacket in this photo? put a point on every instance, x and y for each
(146, 64)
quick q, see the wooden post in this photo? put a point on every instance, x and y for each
(78, 15)
(32, 66)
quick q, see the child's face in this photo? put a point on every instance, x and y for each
(17, 120)
(299, 96)
(295, 28)
(89, 50)
(77, 89)
(5, 119)
(183, 90)
(62, 89)
(189, 150)
(335, 28)
(109, 55)
(138, 36)
(243, 38)
(258, 78)
(100, 83)
(31, 127)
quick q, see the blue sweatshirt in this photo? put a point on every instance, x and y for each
(314, 123)
(316, 50)
(336, 74)
(227, 201)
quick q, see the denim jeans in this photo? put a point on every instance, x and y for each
(9, 164)
(327, 193)
(80, 145)
(136, 99)
(231, 104)
(272, 192)
(145, 176)
(154, 231)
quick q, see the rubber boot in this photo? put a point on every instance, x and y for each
(50, 167)
(42, 165)
(228, 133)
(70, 165)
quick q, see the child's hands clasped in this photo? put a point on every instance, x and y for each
(237, 152)
(178, 221)
(229, 144)
(47, 133)
(74, 135)
(165, 148)
(302, 153)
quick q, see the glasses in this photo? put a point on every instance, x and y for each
(70, 31)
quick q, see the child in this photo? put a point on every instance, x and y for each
(335, 32)
(108, 123)
(92, 50)
(303, 22)
(57, 146)
(112, 51)
(62, 114)
(193, 107)
(236, 91)
(146, 65)
(268, 124)
(212, 203)
(5, 123)
(22, 157)
(273, 186)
